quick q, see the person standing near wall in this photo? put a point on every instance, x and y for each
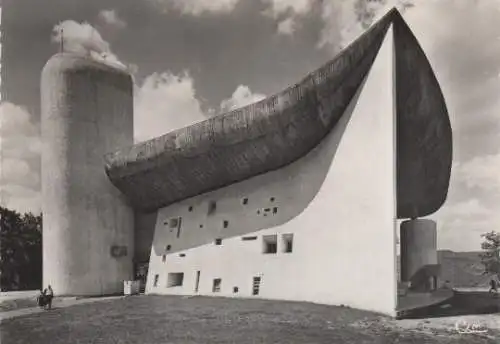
(50, 296)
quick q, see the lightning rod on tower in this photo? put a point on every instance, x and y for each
(62, 41)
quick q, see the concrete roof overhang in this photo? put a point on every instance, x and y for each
(280, 129)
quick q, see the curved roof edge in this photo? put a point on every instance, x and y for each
(280, 129)
(255, 139)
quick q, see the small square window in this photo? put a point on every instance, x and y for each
(272, 199)
(270, 243)
(164, 258)
(175, 279)
(173, 223)
(155, 282)
(201, 226)
(218, 241)
(168, 247)
(190, 208)
(226, 223)
(216, 285)
(235, 289)
(245, 200)
(275, 210)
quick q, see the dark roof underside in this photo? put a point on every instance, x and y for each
(277, 131)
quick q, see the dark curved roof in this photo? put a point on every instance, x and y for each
(276, 131)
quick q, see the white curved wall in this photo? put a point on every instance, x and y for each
(86, 112)
(338, 202)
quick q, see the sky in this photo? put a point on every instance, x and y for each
(191, 59)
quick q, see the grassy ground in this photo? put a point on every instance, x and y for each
(160, 320)
(9, 305)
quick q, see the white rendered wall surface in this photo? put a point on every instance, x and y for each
(86, 112)
(338, 202)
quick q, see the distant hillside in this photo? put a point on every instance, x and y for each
(462, 269)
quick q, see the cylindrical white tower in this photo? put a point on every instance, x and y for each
(418, 248)
(87, 111)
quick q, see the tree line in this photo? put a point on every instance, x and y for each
(20, 250)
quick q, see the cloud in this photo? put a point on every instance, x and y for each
(277, 8)
(287, 26)
(20, 146)
(21, 199)
(83, 38)
(165, 102)
(241, 97)
(197, 7)
(110, 17)
(288, 13)
(481, 172)
(461, 224)
(344, 21)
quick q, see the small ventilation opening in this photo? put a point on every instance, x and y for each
(245, 200)
(235, 290)
(212, 207)
(173, 223)
(182, 254)
(168, 247)
(155, 282)
(249, 238)
(226, 224)
(256, 285)
(190, 208)
(175, 279)
(272, 199)
(275, 210)
(270, 243)
(218, 241)
(163, 258)
(216, 285)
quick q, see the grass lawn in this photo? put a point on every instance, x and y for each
(203, 320)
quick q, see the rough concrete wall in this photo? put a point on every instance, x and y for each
(338, 201)
(418, 246)
(86, 112)
(144, 229)
(424, 137)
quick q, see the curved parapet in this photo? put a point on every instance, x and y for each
(87, 110)
(424, 137)
(279, 130)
